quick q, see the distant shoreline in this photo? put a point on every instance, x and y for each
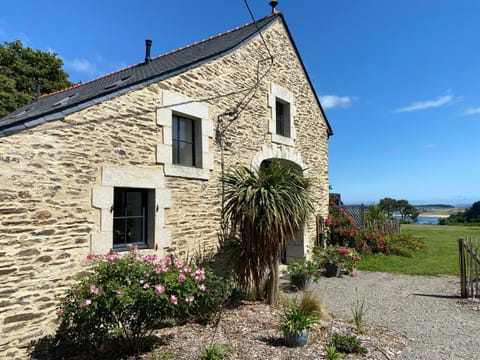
(430, 215)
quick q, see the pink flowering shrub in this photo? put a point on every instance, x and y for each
(124, 298)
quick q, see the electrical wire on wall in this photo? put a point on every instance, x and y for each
(226, 119)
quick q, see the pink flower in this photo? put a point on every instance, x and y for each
(159, 289)
(94, 290)
(60, 311)
(182, 278)
(112, 257)
(120, 293)
(134, 249)
(146, 286)
(199, 275)
(202, 287)
(87, 303)
(190, 298)
(187, 269)
(178, 263)
(174, 300)
(90, 256)
(353, 274)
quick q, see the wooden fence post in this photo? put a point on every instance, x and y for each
(463, 270)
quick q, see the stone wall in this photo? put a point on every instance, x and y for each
(47, 174)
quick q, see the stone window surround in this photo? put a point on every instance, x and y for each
(129, 177)
(178, 104)
(286, 96)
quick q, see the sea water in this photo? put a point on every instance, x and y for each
(424, 220)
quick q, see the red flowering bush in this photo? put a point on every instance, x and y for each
(342, 228)
(342, 231)
(123, 298)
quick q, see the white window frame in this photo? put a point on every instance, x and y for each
(174, 103)
(128, 177)
(279, 93)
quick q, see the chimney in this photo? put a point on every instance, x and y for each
(148, 47)
(273, 4)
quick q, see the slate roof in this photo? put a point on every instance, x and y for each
(56, 105)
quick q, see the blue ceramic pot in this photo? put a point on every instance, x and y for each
(295, 338)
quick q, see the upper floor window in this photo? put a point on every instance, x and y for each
(187, 131)
(282, 118)
(183, 141)
(281, 122)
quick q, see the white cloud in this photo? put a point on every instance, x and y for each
(82, 66)
(332, 101)
(472, 111)
(421, 105)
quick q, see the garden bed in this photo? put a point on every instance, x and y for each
(251, 331)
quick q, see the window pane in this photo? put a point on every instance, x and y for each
(175, 127)
(134, 230)
(185, 130)
(280, 114)
(134, 203)
(175, 152)
(185, 154)
(119, 232)
(118, 203)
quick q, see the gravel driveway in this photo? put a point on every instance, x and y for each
(424, 309)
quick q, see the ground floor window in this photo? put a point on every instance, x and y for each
(130, 217)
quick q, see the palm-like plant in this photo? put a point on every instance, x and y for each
(265, 207)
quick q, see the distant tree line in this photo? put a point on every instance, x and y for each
(388, 206)
(469, 216)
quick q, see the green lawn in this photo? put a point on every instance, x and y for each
(440, 257)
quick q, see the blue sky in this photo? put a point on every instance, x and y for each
(399, 81)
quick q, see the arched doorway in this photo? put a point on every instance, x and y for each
(295, 247)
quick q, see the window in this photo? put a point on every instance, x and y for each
(132, 203)
(281, 102)
(130, 217)
(187, 131)
(183, 141)
(282, 118)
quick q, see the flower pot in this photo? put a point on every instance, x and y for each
(300, 281)
(333, 270)
(295, 338)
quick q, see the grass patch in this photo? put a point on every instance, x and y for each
(440, 257)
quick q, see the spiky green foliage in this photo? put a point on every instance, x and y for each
(264, 207)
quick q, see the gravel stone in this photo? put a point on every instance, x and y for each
(426, 310)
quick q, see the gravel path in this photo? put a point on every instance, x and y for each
(425, 310)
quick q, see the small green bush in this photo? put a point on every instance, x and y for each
(215, 352)
(121, 299)
(348, 344)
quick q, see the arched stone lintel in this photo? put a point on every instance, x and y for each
(279, 152)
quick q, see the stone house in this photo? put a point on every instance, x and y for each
(134, 157)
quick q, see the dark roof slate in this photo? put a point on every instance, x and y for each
(56, 105)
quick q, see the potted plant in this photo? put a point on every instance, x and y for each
(336, 259)
(329, 258)
(296, 321)
(302, 272)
